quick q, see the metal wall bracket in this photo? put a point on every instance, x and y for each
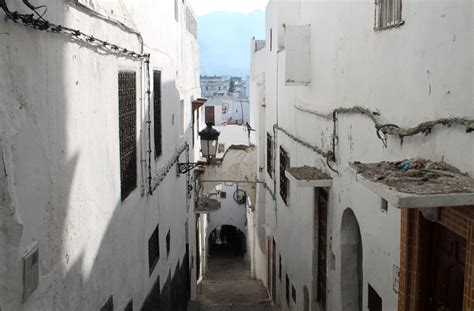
(183, 168)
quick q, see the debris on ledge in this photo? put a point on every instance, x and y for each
(419, 176)
(308, 176)
(207, 205)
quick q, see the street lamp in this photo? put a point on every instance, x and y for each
(209, 137)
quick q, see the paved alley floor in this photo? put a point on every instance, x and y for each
(228, 286)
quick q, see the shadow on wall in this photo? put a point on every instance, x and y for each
(88, 252)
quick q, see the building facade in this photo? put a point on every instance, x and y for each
(95, 113)
(342, 221)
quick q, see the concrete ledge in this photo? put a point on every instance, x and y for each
(307, 176)
(407, 200)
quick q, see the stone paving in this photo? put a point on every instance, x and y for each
(228, 286)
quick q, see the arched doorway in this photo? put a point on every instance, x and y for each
(227, 241)
(351, 263)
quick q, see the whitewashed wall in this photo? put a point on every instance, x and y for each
(418, 72)
(59, 145)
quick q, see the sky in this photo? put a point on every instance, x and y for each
(203, 7)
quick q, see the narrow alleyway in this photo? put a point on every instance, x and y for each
(228, 286)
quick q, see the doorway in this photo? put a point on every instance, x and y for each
(351, 263)
(444, 262)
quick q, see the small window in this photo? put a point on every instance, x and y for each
(157, 112)
(269, 155)
(153, 249)
(168, 243)
(388, 13)
(384, 206)
(293, 293)
(284, 182)
(375, 302)
(287, 290)
(127, 125)
(223, 194)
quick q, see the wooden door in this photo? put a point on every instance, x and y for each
(445, 278)
(322, 246)
(209, 115)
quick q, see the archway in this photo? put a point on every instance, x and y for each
(227, 241)
(351, 263)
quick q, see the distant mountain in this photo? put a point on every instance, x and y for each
(224, 41)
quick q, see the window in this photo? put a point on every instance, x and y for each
(284, 182)
(153, 249)
(287, 290)
(375, 302)
(384, 206)
(388, 13)
(293, 293)
(168, 243)
(269, 155)
(157, 112)
(128, 133)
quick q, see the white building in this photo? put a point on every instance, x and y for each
(214, 85)
(82, 226)
(335, 234)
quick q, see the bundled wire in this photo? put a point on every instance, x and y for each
(38, 22)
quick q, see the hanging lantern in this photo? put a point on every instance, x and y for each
(209, 137)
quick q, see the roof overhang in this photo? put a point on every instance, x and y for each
(198, 103)
(401, 199)
(207, 205)
(308, 176)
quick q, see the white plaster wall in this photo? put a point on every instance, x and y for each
(231, 135)
(418, 72)
(60, 142)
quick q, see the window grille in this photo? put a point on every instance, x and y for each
(157, 112)
(127, 125)
(153, 249)
(269, 155)
(388, 13)
(284, 182)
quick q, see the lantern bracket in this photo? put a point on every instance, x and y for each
(184, 167)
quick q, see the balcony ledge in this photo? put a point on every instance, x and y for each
(307, 176)
(207, 205)
(431, 185)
